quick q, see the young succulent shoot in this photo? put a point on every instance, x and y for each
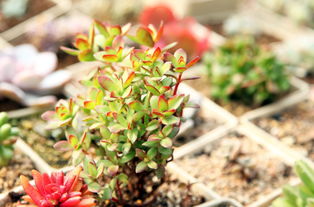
(57, 190)
(301, 195)
(7, 139)
(189, 34)
(240, 70)
(122, 128)
(28, 77)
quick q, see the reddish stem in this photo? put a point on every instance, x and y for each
(177, 84)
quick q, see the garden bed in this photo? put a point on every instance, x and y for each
(236, 167)
(34, 7)
(10, 175)
(293, 127)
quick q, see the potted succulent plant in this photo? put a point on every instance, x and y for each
(28, 77)
(121, 128)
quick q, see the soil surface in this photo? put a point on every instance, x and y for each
(202, 85)
(293, 127)
(34, 7)
(9, 105)
(201, 126)
(237, 167)
(33, 132)
(10, 175)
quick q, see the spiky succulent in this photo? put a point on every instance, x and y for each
(301, 195)
(7, 139)
(121, 129)
(243, 71)
(57, 190)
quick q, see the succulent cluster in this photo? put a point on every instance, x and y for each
(299, 55)
(121, 129)
(57, 190)
(13, 8)
(241, 70)
(7, 139)
(191, 36)
(26, 75)
(301, 195)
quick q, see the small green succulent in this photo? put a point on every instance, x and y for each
(7, 140)
(301, 195)
(241, 70)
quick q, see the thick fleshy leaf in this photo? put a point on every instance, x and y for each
(140, 167)
(63, 146)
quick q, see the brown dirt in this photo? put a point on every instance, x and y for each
(238, 168)
(201, 126)
(293, 127)
(9, 105)
(33, 132)
(34, 7)
(202, 85)
(10, 175)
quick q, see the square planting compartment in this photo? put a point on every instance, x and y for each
(34, 7)
(292, 127)
(10, 174)
(33, 132)
(235, 166)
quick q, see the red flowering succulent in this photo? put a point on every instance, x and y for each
(57, 190)
(191, 36)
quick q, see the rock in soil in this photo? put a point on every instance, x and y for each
(42, 141)
(10, 175)
(236, 167)
(294, 127)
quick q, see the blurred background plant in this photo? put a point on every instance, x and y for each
(191, 36)
(299, 55)
(28, 77)
(7, 140)
(240, 70)
(116, 12)
(301, 195)
(301, 11)
(13, 8)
